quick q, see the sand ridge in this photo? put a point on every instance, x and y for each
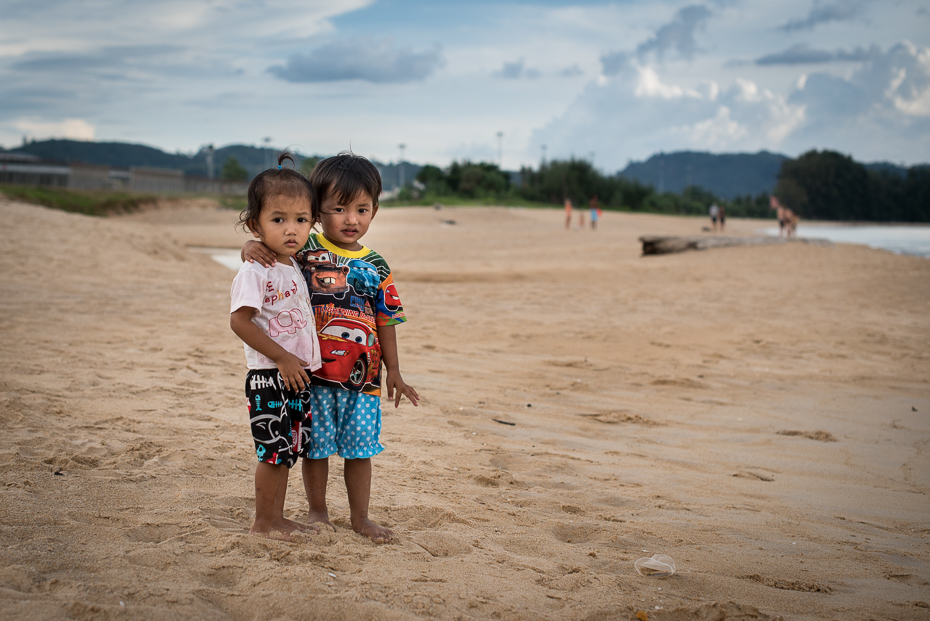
(583, 406)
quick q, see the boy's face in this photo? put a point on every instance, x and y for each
(345, 224)
(283, 225)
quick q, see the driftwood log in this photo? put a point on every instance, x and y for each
(658, 244)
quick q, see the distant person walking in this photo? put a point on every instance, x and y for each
(595, 212)
(791, 220)
(775, 204)
(722, 214)
(568, 214)
(714, 212)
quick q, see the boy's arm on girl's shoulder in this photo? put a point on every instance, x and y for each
(289, 366)
(394, 382)
(254, 250)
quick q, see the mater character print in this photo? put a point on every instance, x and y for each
(322, 273)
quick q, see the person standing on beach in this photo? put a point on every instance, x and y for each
(269, 312)
(722, 214)
(568, 214)
(714, 212)
(775, 204)
(356, 309)
(791, 220)
(595, 212)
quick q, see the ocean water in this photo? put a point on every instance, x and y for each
(914, 240)
(224, 256)
(228, 259)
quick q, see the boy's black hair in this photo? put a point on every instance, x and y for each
(273, 182)
(345, 176)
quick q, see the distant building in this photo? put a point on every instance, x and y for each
(25, 169)
(156, 180)
(31, 170)
(208, 185)
(89, 177)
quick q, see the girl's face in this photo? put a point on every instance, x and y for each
(345, 224)
(283, 225)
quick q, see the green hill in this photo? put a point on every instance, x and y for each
(726, 174)
(125, 155)
(119, 154)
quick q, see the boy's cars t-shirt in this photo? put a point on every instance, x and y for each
(352, 293)
(283, 311)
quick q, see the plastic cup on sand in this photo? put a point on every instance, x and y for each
(656, 566)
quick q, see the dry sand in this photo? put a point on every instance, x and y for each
(759, 414)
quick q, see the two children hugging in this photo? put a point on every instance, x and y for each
(316, 313)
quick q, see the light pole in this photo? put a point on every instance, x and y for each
(400, 163)
(500, 150)
(543, 155)
(210, 160)
(267, 141)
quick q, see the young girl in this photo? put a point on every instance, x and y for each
(271, 313)
(356, 307)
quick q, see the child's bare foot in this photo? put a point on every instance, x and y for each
(272, 531)
(319, 517)
(291, 525)
(375, 532)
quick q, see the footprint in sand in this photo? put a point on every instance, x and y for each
(820, 436)
(789, 585)
(754, 475)
(440, 544)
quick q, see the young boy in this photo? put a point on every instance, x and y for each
(356, 307)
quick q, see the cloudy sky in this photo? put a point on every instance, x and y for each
(612, 81)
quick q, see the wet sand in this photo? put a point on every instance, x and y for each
(760, 414)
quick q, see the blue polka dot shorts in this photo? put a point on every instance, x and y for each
(344, 422)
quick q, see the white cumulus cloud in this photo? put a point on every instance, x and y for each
(74, 129)
(640, 111)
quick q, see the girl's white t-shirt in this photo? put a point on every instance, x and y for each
(282, 302)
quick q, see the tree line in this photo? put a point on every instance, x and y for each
(817, 185)
(826, 185)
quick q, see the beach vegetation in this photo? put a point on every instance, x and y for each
(233, 170)
(307, 164)
(823, 185)
(826, 185)
(484, 183)
(89, 202)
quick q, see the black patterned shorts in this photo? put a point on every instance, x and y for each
(276, 415)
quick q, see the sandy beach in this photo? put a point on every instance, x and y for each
(760, 414)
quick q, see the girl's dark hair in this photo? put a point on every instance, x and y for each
(273, 182)
(344, 176)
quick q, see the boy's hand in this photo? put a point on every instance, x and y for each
(394, 382)
(292, 371)
(254, 250)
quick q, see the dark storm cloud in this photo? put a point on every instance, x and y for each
(360, 59)
(32, 99)
(614, 62)
(678, 34)
(516, 70)
(113, 56)
(803, 54)
(823, 13)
